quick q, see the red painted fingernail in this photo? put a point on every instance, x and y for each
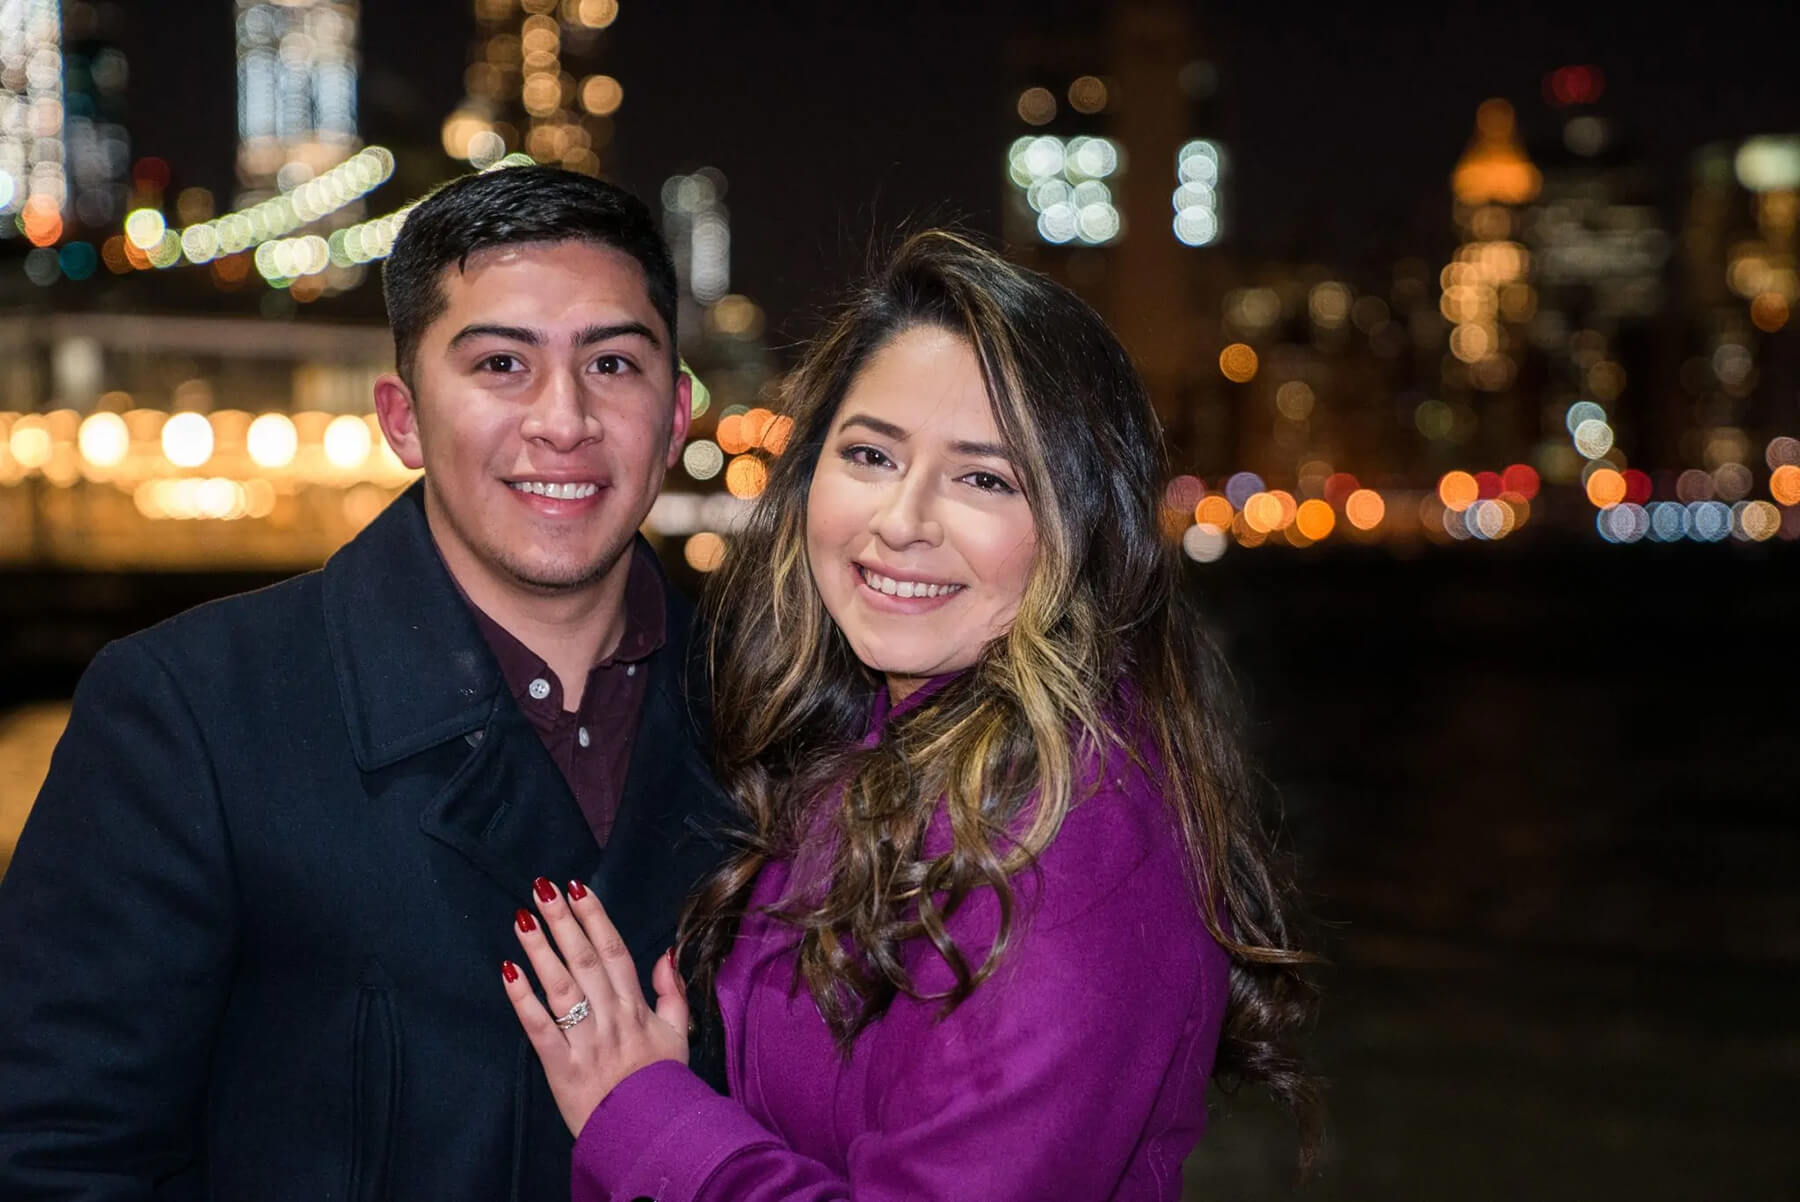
(545, 890)
(509, 970)
(526, 922)
(577, 890)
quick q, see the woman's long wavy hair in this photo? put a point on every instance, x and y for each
(1105, 655)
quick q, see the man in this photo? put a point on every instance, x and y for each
(250, 942)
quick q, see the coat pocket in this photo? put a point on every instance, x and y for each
(375, 1095)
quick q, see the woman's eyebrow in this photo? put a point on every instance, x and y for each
(981, 450)
(876, 425)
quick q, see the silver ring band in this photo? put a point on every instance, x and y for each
(576, 1013)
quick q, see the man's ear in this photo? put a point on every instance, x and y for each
(684, 415)
(399, 418)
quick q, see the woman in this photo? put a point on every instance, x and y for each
(1001, 907)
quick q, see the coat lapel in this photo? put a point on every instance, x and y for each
(508, 810)
(429, 718)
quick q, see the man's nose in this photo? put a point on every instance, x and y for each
(562, 416)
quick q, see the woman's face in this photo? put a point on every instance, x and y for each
(919, 535)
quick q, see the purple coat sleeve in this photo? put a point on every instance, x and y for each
(1041, 1087)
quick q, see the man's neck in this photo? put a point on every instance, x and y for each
(570, 630)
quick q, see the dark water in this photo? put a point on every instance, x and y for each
(1545, 804)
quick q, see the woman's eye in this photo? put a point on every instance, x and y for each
(989, 482)
(867, 456)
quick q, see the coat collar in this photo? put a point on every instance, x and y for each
(412, 668)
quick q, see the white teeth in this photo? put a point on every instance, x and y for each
(557, 492)
(906, 588)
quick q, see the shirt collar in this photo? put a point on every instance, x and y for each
(646, 628)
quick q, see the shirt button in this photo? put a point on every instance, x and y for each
(539, 689)
(581, 736)
(631, 669)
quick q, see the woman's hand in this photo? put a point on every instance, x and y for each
(598, 1029)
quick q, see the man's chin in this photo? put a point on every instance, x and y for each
(557, 575)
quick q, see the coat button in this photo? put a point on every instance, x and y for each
(539, 689)
(581, 736)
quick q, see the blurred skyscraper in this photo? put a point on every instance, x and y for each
(34, 183)
(1598, 255)
(1118, 186)
(94, 96)
(533, 85)
(297, 73)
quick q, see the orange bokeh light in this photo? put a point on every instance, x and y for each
(1784, 484)
(775, 438)
(746, 477)
(756, 426)
(1237, 363)
(733, 439)
(1262, 512)
(1606, 488)
(1769, 312)
(1216, 510)
(1458, 490)
(41, 221)
(1315, 519)
(1364, 508)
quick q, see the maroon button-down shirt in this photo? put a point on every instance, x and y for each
(591, 745)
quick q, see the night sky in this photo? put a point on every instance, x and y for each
(836, 120)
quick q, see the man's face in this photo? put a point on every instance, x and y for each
(544, 411)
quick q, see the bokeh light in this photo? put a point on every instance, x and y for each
(1204, 542)
(1364, 509)
(271, 441)
(1784, 484)
(704, 551)
(746, 477)
(1315, 519)
(702, 459)
(1238, 362)
(104, 440)
(1458, 490)
(187, 440)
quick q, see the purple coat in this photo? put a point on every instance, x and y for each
(1077, 1072)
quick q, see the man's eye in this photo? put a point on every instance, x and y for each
(612, 365)
(500, 363)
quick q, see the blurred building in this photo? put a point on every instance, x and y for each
(34, 180)
(95, 75)
(1487, 293)
(1740, 384)
(138, 442)
(297, 73)
(1597, 261)
(1118, 186)
(534, 85)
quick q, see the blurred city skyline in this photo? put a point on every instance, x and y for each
(835, 122)
(1385, 279)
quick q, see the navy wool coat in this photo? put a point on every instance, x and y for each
(250, 941)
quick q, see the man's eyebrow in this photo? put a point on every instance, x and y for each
(593, 334)
(510, 333)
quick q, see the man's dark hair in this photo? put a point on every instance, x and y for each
(503, 208)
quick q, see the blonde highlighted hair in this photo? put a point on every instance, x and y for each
(1105, 655)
